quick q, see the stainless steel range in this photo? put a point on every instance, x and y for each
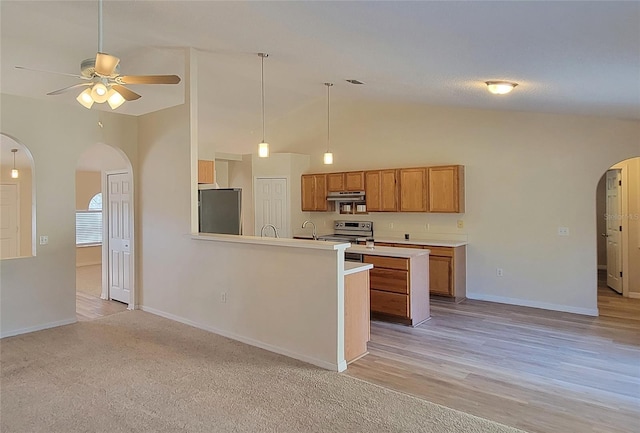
(350, 231)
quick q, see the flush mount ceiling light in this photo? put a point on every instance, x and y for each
(14, 171)
(500, 87)
(263, 147)
(328, 156)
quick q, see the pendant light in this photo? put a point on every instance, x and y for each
(328, 156)
(14, 171)
(263, 147)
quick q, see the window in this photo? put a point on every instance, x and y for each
(89, 223)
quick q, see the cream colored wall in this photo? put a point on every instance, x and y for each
(526, 175)
(88, 184)
(222, 173)
(271, 301)
(240, 176)
(25, 192)
(39, 292)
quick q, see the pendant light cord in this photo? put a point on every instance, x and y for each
(328, 113)
(262, 56)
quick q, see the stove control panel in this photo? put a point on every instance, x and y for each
(354, 225)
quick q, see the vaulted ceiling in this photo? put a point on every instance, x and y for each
(568, 57)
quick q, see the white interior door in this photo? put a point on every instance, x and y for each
(119, 226)
(272, 206)
(613, 219)
(9, 221)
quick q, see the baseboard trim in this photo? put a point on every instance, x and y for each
(533, 304)
(38, 327)
(634, 295)
(341, 366)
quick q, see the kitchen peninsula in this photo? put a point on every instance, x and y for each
(399, 282)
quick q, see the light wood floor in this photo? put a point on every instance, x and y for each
(537, 370)
(89, 306)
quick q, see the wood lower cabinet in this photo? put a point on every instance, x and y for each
(400, 287)
(447, 272)
(356, 315)
(314, 193)
(446, 189)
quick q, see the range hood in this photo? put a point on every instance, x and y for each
(346, 196)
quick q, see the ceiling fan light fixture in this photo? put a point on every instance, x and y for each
(500, 87)
(85, 99)
(99, 93)
(114, 99)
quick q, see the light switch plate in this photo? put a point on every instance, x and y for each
(44, 240)
(460, 224)
(563, 231)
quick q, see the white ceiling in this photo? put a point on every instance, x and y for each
(569, 57)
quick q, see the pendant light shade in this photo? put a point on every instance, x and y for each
(14, 171)
(500, 87)
(85, 99)
(263, 147)
(328, 156)
(114, 99)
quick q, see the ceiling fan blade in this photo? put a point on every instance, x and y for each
(149, 79)
(127, 94)
(66, 89)
(106, 64)
(53, 72)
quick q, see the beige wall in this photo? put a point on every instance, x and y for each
(526, 175)
(39, 292)
(25, 193)
(88, 184)
(240, 176)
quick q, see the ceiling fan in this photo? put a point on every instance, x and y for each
(102, 78)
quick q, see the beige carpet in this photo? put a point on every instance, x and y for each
(89, 280)
(136, 372)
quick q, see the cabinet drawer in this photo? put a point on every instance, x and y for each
(440, 251)
(389, 303)
(391, 280)
(387, 262)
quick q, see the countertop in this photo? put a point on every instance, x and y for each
(405, 253)
(425, 242)
(354, 267)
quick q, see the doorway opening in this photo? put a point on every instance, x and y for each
(618, 232)
(104, 233)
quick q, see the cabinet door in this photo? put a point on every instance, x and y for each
(335, 182)
(320, 194)
(308, 192)
(205, 171)
(413, 190)
(388, 191)
(446, 189)
(440, 273)
(372, 190)
(354, 181)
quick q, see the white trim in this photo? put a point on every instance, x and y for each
(341, 366)
(634, 295)
(533, 304)
(93, 263)
(38, 327)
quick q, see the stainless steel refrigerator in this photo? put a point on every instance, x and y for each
(220, 211)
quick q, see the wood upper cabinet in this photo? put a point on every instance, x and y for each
(349, 181)
(205, 171)
(413, 189)
(354, 181)
(446, 189)
(381, 190)
(314, 192)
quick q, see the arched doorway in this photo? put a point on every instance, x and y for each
(104, 231)
(618, 232)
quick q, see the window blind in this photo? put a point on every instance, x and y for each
(88, 227)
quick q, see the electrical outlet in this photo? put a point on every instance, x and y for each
(460, 224)
(390, 225)
(563, 231)
(499, 272)
(44, 240)
(427, 226)
(223, 297)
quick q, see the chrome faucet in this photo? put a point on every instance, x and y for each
(313, 234)
(275, 230)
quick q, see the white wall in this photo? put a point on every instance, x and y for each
(39, 292)
(271, 301)
(526, 175)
